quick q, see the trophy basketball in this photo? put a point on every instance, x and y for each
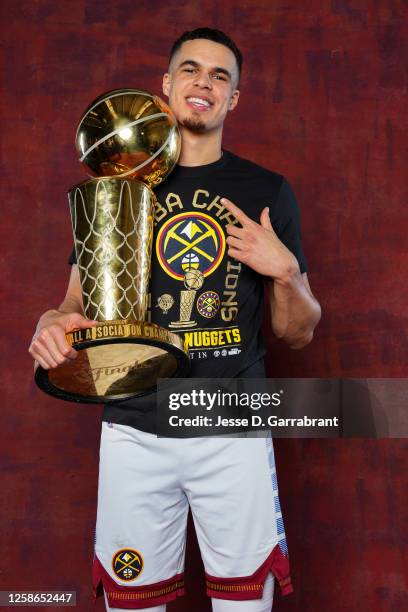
(129, 140)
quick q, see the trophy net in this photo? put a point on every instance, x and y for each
(113, 227)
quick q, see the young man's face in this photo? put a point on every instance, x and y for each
(202, 85)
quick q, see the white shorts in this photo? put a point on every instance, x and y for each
(146, 485)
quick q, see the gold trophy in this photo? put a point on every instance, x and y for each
(193, 280)
(129, 140)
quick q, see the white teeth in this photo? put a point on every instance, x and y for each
(199, 101)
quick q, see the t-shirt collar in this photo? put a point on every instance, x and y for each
(186, 172)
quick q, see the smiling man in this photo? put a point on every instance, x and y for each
(225, 229)
(202, 87)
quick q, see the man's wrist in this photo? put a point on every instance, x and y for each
(49, 314)
(47, 317)
(288, 275)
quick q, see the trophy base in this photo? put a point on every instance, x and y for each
(117, 360)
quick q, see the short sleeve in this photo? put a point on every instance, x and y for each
(285, 219)
(72, 258)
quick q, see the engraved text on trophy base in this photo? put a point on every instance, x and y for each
(114, 370)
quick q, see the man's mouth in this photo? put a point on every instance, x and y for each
(197, 103)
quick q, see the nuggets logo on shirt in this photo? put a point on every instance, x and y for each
(190, 240)
(208, 304)
(190, 246)
(127, 564)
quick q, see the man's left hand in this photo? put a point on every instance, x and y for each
(258, 246)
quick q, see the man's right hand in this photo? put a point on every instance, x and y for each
(49, 346)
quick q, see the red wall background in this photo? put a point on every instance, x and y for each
(324, 94)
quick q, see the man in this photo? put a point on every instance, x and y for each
(239, 226)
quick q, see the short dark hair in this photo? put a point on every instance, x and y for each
(209, 34)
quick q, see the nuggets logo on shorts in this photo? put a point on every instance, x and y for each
(190, 241)
(127, 564)
(208, 304)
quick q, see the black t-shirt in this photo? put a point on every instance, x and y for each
(196, 289)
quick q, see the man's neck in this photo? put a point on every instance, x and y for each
(199, 149)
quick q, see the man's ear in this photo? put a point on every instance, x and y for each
(234, 100)
(166, 84)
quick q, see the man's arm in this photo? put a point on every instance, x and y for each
(295, 312)
(49, 346)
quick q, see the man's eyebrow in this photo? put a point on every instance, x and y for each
(215, 69)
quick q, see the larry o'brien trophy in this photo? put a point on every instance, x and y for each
(130, 142)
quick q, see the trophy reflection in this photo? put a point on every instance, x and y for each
(129, 140)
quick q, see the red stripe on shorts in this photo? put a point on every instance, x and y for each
(251, 587)
(131, 597)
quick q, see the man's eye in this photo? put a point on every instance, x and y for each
(188, 69)
(220, 77)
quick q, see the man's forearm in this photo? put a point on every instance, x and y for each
(72, 303)
(294, 310)
(69, 305)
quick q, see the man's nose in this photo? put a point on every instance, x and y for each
(203, 80)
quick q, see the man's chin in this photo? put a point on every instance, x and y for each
(193, 124)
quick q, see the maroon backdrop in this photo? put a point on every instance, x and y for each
(323, 99)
